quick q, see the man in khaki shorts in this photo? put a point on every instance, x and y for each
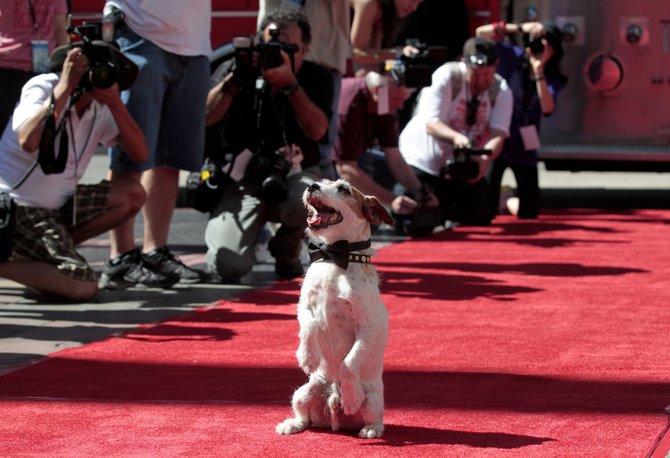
(53, 211)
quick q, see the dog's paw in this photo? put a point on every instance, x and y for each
(291, 426)
(371, 431)
(352, 397)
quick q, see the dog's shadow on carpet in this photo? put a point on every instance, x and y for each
(402, 436)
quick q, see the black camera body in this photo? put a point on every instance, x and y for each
(105, 70)
(416, 70)
(269, 54)
(423, 220)
(269, 169)
(534, 44)
(462, 166)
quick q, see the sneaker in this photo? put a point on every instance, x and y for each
(129, 269)
(164, 262)
(115, 270)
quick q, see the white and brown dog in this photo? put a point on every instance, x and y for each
(343, 322)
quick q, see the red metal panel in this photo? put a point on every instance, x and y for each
(482, 12)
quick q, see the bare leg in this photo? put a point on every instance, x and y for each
(122, 236)
(125, 200)
(161, 185)
(47, 279)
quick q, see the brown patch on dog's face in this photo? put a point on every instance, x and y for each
(328, 203)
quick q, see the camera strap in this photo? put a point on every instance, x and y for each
(48, 160)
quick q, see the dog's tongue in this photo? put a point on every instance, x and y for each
(314, 220)
(321, 218)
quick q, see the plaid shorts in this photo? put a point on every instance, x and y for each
(44, 234)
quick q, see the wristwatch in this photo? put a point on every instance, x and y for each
(289, 90)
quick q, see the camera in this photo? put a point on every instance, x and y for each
(416, 70)
(269, 54)
(462, 166)
(269, 168)
(423, 220)
(534, 44)
(105, 70)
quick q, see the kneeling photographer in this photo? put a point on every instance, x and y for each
(458, 128)
(368, 118)
(267, 111)
(56, 127)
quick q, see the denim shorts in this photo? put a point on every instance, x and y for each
(167, 101)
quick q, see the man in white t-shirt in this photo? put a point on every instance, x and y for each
(467, 107)
(54, 212)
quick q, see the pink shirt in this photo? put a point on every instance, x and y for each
(17, 29)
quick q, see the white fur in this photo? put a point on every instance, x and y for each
(343, 325)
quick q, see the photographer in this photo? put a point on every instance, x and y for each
(532, 70)
(458, 128)
(368, 118)
(275, 108)
(59, 122)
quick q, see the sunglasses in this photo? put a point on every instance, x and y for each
(471, 111)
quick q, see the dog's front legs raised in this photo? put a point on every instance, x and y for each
(353, 394)
(366, 355)
(308, 353)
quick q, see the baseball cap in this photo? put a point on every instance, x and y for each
(480, 52)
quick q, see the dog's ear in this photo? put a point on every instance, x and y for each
(375, 212)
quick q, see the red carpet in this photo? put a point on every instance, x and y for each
(545, 338)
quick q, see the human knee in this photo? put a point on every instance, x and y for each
(129, 193)
(136, 196)
(81, 291)
(228, 265)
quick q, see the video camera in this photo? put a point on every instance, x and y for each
(417, 69)
(462, 166)
(269, 54)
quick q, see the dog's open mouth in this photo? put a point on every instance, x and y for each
(321, 215)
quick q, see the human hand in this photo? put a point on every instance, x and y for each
(461, 141)
(403, 205)
(75, 66)
(537, 61)
(281, 76)
(107, 96)
(292, 153)
(534, 29)
(410, 51)
(432, 200)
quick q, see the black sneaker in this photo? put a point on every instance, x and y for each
(285, 270)
(129, 269)
(115, 270)
(164, 262)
